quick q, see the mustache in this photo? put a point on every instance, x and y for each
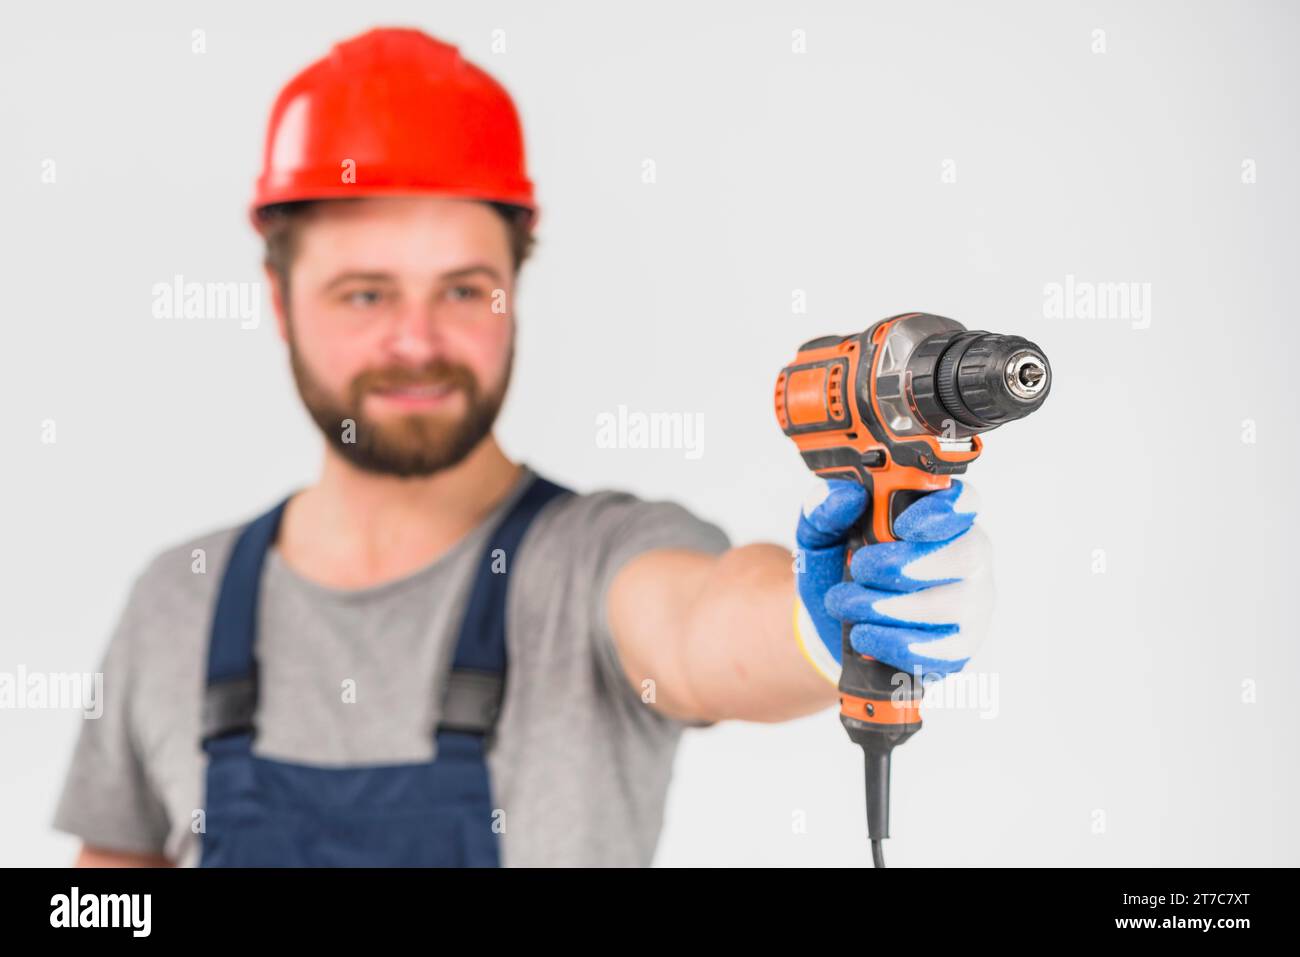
(438, 373)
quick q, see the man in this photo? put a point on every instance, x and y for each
(434, 656)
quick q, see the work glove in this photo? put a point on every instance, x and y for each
(921, 604)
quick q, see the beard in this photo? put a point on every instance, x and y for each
(406, 446)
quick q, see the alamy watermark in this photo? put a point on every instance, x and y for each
(179, 299)
(1078, 299)
(626, 429)
(53, 690)
(960, 691)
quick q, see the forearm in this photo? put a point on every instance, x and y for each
(738, 643)
(740, 646)
(711, 637)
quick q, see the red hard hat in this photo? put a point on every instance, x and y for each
(410, 114)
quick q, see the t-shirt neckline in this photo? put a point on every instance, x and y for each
(277, 566)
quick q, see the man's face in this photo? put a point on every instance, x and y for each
(400, 321)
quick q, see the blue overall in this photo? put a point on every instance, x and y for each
(261, 812)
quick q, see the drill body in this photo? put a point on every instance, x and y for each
(899, 408)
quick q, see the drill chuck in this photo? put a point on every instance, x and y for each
(975, 381)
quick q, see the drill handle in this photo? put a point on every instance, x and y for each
(879, 704)
(891, 491)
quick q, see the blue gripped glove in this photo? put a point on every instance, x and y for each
(921, 604)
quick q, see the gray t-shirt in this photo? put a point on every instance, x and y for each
(580, 766)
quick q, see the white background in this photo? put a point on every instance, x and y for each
(1119, 692)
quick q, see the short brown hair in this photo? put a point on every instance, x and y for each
(281, 222)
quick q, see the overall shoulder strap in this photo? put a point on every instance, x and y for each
(231, 687)
(476, 685)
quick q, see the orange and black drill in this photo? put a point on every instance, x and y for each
(899, 408)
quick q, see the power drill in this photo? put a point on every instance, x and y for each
(899, 408)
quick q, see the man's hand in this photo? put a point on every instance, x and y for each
(921, 604)
(821, 538)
